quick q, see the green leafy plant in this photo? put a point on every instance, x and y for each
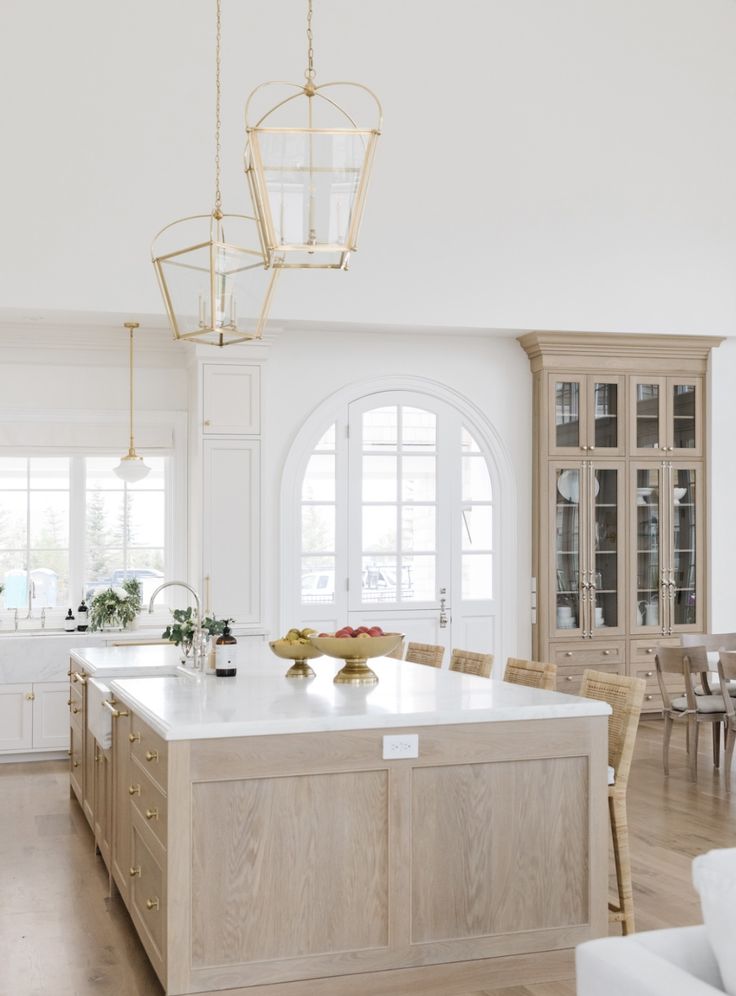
(181, 630)
(116, 606)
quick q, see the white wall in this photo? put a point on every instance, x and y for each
(544, 163)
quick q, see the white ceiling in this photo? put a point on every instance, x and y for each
(544, 163)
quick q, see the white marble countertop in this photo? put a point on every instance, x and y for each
(112, 662)
(260, 700)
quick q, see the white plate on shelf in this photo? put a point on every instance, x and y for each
(568, 484)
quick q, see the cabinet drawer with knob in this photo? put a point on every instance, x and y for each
(589, 654)
(569, 679)
(148, 896)
(149, 750)
(149, 802)
(642, 651)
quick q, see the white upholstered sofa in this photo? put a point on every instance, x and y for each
(681, 961)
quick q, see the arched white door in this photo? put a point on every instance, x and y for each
(397, 524)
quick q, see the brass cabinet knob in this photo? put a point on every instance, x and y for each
(152, 904)
(606, 653)
(135, 872)
(75, 764)
(568, 678)
(152, 755)
(30, 696)
(75, 709)
(650, 674)
(650, 650)
(207, 422)
(591, 447)
(68, 701)
(151, 814)
(648, 698)
(134, 738)
(568, 653)
(134, 790)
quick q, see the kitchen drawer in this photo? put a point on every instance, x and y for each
(569, 679)
(652, 695)
(644, 650)
(148, 801)
(76, 759)
(147, 899)
(589, 653)
(149, 750)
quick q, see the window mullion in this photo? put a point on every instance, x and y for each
(77, 528)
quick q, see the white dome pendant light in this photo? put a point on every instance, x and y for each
(131, 467)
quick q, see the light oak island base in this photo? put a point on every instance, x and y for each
(296, 858)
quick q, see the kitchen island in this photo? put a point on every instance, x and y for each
(273, 842)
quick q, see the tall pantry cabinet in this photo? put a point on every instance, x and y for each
(619, 516)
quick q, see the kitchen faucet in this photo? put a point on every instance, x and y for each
(197, 650)
(31, 595)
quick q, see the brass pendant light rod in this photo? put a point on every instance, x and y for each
(217, 213)
(131, 467)
(131, 326)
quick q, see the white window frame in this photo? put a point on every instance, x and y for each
(176, 510)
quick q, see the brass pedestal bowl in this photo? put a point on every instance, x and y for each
(299, 653)
(356, 651)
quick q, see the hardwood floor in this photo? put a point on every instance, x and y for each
(61, 936)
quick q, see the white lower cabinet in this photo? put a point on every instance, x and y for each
(34, 716)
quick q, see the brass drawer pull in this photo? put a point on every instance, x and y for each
(151, 814)
(134, 790)
(606, 653)
(116, 713)
(650, 674)
(79, 678)
(135, 872)
(75, 764)
(152, 904)
(568, 653)
(568, 678)
(75, 709)
(134, 738)
(152, 755)
(650, 650)
(68, 701)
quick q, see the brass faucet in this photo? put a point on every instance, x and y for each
(197, 640)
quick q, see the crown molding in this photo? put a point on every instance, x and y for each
(574, 348)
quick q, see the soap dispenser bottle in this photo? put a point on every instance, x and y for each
(82, 617)
(225, 666)
(70, 623)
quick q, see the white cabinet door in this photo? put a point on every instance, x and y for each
(231, 399)
(16, 717)
(231, 527)
(51, 715)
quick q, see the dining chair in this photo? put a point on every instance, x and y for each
(625, 696)
(713, 643)
(726, 676)
(398, 651)
(534, 674)
(692, 708)
(470, 662)
(425, 653)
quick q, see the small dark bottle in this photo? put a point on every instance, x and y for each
(70, 623)
(82, 617)
(225, 666)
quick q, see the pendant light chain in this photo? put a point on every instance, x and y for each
(218, 93)
(131, 327)
(310, 73)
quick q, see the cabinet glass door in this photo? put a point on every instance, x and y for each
(568, 405)
(648, 398)
(606, 549)
(683, 578)
(647, 513)
(567, 489)
(605, 404)
(683, 415)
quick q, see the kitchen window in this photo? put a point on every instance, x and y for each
(71, 527)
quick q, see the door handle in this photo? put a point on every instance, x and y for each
(444, 611)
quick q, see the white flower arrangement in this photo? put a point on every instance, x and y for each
(117, 605)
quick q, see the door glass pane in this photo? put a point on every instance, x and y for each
(318, 528)
(605, 413)
(683, 416)
(378, 580)
(567, 548)
(418, 528)
(648, 563)
(476, 479)
(318, 580)
(418, 578)
(477, 576)
(605, 547)
(647, 416)
(379, 528)
(319, 478)
(418, 429)
(381, 428)
(379, 478)
(418, 478)
(567, 413)
(684, 545)
(477, 527)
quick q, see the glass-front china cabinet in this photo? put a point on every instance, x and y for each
(619, 499)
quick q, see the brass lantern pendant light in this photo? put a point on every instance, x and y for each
(131, 467)
(308, 163)
(217, 289)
